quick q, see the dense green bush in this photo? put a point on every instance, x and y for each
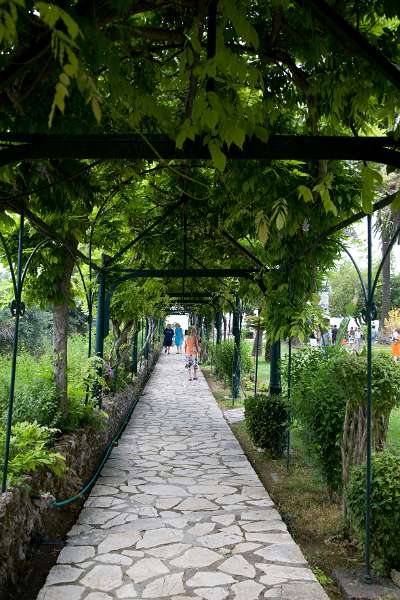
(325, 384)
(29, 451)
(223, 358)
(266, 422)
(385, 509)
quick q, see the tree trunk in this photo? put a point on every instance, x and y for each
(60, 334)
(257, 343)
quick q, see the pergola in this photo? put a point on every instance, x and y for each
(384, 150)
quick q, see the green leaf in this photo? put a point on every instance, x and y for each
(280, 221)
(218, 157)
(305, 193)
(370, 180)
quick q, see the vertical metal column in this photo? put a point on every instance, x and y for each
(257, 342)
(289, 393)
(275, 386)
(146, 348)
(236, 351)
(218, 326)
(17, 312)
(367, 576)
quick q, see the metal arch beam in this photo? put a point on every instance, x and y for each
(153, 147)
(189, 273)
(351, 38)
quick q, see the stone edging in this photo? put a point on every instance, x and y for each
(21, 518)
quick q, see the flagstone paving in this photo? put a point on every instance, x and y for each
(179, 513)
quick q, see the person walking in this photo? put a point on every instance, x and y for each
(178, 338)
(357, 339)
(334, 331)
(396, 344)
(168, 337)
(192, 352)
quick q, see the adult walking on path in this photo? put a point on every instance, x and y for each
(178, 338)
(192, 349)
(179, 513)
(168, 337)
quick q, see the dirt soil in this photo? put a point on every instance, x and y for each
(42, 555)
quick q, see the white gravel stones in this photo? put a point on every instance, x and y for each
(146, 568)
(103, 578)
(165, 587)
(179, 513)
(196, 558)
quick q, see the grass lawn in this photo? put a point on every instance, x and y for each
(393, 439)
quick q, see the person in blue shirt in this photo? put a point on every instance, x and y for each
(178, 338)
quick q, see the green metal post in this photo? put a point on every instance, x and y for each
(218, 326)
(367, 576)
(146, 349)
(289, 393)
(256, 346)
(134, 352)
(275, 386)
(236, 351)
(14, 353)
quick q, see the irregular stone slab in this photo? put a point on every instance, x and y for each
(163, 490)
(103, 578)
(195, 558)
(166, 503)
(98, 596)
(217, 540)
(95, 516)
(209, 579)
(237, 565)
(159, 537)
(117, 541)
(269, 538)
(75, 554)
(256, 526)
(114, 559)
(216, 593)
(282, 553)
(194, 504)
(280, 574)
(224, 519)
(248, 590)
(61, 592)
(169, 585)
(296, 591)
(169, 551)
(146, 568)
(245, 547)
(201, 529)
(127, 592)
(63, 574)
(103, 490)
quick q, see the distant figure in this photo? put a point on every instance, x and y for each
(334, 331)
(351, 337)
(357, 339)
(192, 352)
(178, 338)
(168, 337)
(396, 344)
(374, 334)
(313, 340)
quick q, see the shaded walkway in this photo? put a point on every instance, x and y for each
(179, 512)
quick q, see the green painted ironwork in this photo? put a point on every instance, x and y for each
(289, 411)
(275, 385)
(17, 310)
(236, 349)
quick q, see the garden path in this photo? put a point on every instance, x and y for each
(179, 513)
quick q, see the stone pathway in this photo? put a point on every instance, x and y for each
(234, 415)
(179, 513)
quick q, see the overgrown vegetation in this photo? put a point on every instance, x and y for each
(266, 422)
(223, 359)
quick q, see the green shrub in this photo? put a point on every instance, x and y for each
(266, 422)
(223, 358)
(35, 392)
(29, 451)
(385, 509)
